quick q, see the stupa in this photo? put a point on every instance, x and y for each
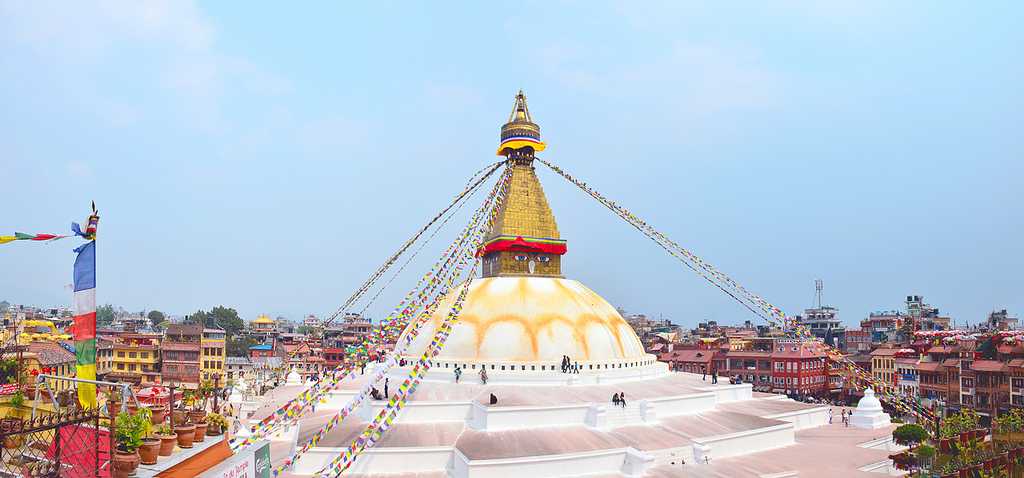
(521, 321)
(869, 413)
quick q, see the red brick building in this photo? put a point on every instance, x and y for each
(799, 368)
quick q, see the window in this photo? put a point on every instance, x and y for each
(131, 367)
(120, 354)
(120, 366)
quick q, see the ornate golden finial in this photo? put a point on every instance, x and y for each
(520, 134)
(524, 240)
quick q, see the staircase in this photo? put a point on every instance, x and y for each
(619, 417)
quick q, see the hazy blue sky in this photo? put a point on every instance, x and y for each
(270, 157)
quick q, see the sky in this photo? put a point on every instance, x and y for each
(269, 158)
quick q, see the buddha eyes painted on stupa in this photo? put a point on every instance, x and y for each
(521, 257)
(543, 258)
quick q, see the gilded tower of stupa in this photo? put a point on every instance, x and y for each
(525, 238)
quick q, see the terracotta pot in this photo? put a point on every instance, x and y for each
(167, 443)
(179, 416)
(200, 431)
(186, 434)
(12, 441)
(132, 408)
(159, 414)
(149, 450)
(197, 415)
(214, 430)
(125, 463)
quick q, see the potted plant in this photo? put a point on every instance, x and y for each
(200, 430)
(159, 413)
(186, 434)
(197, 399)
(216, 424)
(128, 432)
(167, 439)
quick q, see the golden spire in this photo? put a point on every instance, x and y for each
(520, 135)
(524, 240)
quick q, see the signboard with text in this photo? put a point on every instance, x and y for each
(253, 462)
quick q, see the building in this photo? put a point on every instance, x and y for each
(924, 316)
(690, 360)
(263, 325)
(1000, 320)
(262, 351)
(51, 358)
(104, 356)
(799, 368)
(237, 366)
(181, 354)
(883, 365)
(136, 358)
(823, 322)
(907, 379)
(213, 354)
(857, 341)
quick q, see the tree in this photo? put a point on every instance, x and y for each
(910, 434)
(105, 315)
(239, 346)
(227, 319)
(156, 318)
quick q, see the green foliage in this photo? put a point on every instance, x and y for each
(1012, 422)
(104, 315)
(239, 346)
(910, 434)
(216, 419)
(964, 421)
(129, 430)
(18, 399)
(8, 370)
(156, 318)
(163, 429)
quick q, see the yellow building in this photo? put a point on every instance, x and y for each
(883, 365)
(213, 355)
(136, 359)
(263, 325)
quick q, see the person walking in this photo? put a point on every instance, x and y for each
(703, 373)
(483, 375)
(458, 373)
(622, 399)
(576, 368)
(386, 395)
(829, 416)
(615, 399)
(714, 375)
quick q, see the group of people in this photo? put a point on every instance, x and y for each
(568, 366)
(619, 399)
(483, 374)
(704, 374)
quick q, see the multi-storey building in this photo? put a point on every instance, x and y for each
(51, 358)
(1016, 367)
(883, 365)
(823, 322)
(907, 378)
(136, 358)
(263, 325)
(798, 367)
(857, 341)
(181, 354)
(104, 356)
(213, 354)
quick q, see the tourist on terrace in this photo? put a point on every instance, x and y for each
(830, 416)
(576, 368)
(494, 399)
(483, 375)
(458, 373)
(386, 380)
(615, 399)
(714, 375)
(622, 399)
(704, 373)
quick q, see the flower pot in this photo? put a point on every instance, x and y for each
(159, 414)
(167, 443)
(149, 450)
(197, 415)
(125, 463)
(179, 416)
(133, 408)
(200, 432)
(214, 430)
(186, 434)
